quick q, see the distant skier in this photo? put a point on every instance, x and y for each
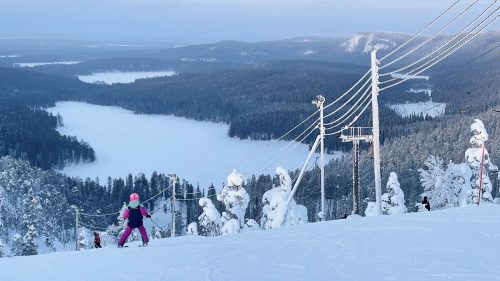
(134, 212)
(426, 203)
(97, 240)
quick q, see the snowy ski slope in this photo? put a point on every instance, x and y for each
(454, 244)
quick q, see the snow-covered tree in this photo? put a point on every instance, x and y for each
(1, 249)
(441, 185)
(31, 222)
(274, 211)
(459, 176)
(17, 245)
(82, 240)
(210, 219)
(231, 227)
(252, 225)
(474, 156)
(393, 201)
(235, 197)
(155, 233)
(371, 209)
(192, 229)
(29, 246)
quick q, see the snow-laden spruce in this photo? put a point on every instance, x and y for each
(393, 201)
(444, 186)
(473, 157)
(274, 211)
(235, 198)
(192, 229)
(209, 220)
(33, 210)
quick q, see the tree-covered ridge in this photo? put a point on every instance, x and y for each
(30, 133)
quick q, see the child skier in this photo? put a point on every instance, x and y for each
(134, 212)
(97, 240)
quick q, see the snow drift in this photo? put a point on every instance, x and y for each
(452, 244)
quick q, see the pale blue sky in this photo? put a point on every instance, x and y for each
(207, 20)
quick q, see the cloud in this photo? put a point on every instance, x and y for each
(214, 19)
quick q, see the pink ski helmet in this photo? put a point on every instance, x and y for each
(134, 197)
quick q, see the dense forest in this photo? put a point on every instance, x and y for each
(30, 133)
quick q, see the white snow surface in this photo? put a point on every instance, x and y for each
(310, 52)
(409, 76)
(417, 91)
(35, 64)
(366, 42)
(427, 246)
(202, 152)
(202, 59)
(274, 210)
(235, 198)
(122, 77)
(428, 108)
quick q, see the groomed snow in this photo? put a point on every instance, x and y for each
(35, 64)
(122, 77)
(453, 244)
(197, 151)
(428, 108)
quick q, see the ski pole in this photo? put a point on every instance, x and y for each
(156, 224)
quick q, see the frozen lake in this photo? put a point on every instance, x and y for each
(428, 108)
(122, 77)
(197, 151)
(35, 64)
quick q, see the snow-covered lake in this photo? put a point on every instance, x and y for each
(407, 76)
(122, 77)
(197, 151)
(428, 108)
(35, 64)
(428, 92)
(9, 56)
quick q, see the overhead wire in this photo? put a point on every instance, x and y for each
(250, 156)
(420, 32)
(348, 91)
(349, 100)
(411, 75)
(430, 38)
(270, 159)
(436, 50)
(353, 120)
(118, 212)
(474, 59)
(350, 112)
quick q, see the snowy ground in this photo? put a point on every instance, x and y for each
(35, 64)
(197, 151)
(122, 77)
(428, 92)
(406, 76)
(455, 244)
(428, 108)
